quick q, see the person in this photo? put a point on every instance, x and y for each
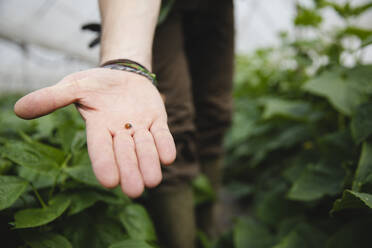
(130, 127)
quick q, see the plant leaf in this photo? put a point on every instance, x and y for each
(131, 243)
(291, 109)
(203, 191)
(38, 180)
(28, 155)
(302, 235)
(138, 223)
(248, 233)
(5, 166)
(40, 216)
(361, 33)
(83, 231)
(338, 90)
(45, 240)
(11, 188)
(361, 124)
(83, 199)
(316, 181)
(82, 171)
(307, 17)
(352, 200)
(364, 169)
(360, 78)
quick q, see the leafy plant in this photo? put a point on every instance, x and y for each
(49, 194)
(301, 141)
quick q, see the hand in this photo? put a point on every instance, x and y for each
(107, 100)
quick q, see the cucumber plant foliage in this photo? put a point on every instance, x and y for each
(49, 196)
(301, 140)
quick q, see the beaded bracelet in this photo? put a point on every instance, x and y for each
(130, 66)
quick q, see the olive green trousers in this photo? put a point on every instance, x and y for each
(193, 57)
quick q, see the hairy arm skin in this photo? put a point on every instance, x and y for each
(108, 99)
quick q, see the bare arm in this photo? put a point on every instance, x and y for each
(128, 29)
(108, 99)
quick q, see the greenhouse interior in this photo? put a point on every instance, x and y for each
(292, 137)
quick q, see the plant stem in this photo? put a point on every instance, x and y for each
(38, 197)
(63, 165)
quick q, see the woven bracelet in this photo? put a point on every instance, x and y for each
(130, 66)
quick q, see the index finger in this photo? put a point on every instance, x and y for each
(101, 153)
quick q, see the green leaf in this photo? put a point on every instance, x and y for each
(83, 199)
(45, 240)
(307, 17)
(11, 188)
(29, 156)
(45, 127)
(38, 180)
(40, 216)
(248, 233)
(263, 205)
(52, 153)
(360, 78)
(137, 222)
(364, 169)
(5, 166)
(81, 170)
(304, 236)
(239, 190)
(316, 181)
(346, 10)
(66, 133)
(203, 191)
(83, 174)
(358, 10)
(11, 124)
(367, 41)
(298, 110)
(361, 124)
(83, 231)
(204, 240)
(131, 243)
(338, 89)
(352, 200)
(70, 137)
(361, 33)
(79, 141)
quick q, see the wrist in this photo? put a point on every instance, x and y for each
(130, 66)
(143, 59)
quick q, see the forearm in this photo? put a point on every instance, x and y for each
(128, 28)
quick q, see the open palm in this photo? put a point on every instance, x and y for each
(107, 100)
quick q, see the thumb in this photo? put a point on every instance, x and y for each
(44, 101)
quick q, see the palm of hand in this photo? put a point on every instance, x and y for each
(107, 100)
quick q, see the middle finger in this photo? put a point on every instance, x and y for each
(131, 180)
